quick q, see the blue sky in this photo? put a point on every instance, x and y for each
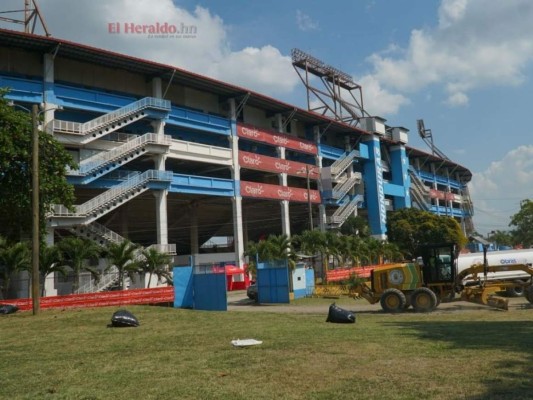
(464, 66)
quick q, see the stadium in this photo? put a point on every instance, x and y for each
(170, 158)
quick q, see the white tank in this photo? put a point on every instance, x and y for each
(498, 258)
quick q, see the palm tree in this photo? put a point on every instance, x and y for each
(313, 242)
(50, 261)
(391, 252)
(155, 262)
(280, 248)
(74, 252)
(13, 259)
(123, 256)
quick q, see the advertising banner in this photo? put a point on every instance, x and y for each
(276, 192)
(272, 164)
(276, 139)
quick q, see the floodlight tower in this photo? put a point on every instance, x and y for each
(427, 136)
(339, 97)
(31, 12)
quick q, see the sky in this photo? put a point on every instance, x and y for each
(463, 66)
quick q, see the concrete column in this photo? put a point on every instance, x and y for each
(285, 215)
(50, 288)
(321, 208)
(238, 237)
(157, 92)
(157, 88)
(49, 99)
(400, 175)
(161, 216)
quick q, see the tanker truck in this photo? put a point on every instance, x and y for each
(501, 258)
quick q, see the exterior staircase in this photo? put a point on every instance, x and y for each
(342, 188)
(112, 121)
(104, 162)
(342, 164)
(345, 180)
(468, 210)
(419, 191)
(342, 213)
(108, 200)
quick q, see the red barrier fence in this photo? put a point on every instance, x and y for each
(114, 298)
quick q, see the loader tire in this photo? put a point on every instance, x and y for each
(515, 291)
(423, 300)
(392, 301)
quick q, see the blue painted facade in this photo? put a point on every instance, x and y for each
(184, 123)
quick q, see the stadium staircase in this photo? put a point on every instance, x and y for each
(104, 162)
(468, 210)
(112, 121)
(419, 191)
(103, 235)
(344, 183)
(109, 200)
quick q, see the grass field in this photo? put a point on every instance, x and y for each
(184, 354)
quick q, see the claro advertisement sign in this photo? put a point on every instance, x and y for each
(276, 139)
(276, 192)
(272, 164)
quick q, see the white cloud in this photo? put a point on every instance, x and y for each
(497, 191)
(208, 52)
(457, 99)
(304, 22)
(477, 43)
(379, 101)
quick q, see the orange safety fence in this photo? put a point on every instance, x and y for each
(101, 299)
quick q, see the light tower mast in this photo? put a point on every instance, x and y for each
(31, 15)
(339, 97)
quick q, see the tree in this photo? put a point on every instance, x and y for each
(355, 226)
(523, 223)
(155, 262)
(75, 251)
(15, 172)
(410, 228)
(123, 256)
(13, 259)
(50, 261)
(501, 238)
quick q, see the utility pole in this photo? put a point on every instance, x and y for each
(307, 169)
(35, 210)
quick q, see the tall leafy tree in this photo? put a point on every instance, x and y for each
(410, 228)
(13, 259)
(15, 172)
(523, 223)
(123, 256)
(75, 252)
(355, 225)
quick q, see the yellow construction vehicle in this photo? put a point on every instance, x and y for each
(433, 278)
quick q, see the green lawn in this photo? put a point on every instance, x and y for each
(184, 354)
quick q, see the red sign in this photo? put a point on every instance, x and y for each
(276, 139)
(272, 164)
(276, 192)
(437, 194)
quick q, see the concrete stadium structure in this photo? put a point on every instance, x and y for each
(171, 158)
